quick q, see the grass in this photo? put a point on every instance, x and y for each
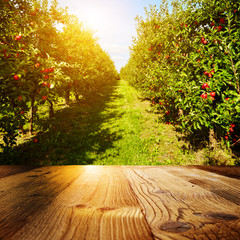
(142, 138)
(113, 127)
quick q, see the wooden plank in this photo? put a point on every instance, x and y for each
(228, 171)
(177, 209)
(25, 194)
(226, 187)
(11, 170)
(96, 203)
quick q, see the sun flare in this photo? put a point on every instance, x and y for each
(110, 21)
(95, 19)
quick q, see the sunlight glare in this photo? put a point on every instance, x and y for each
(94, 19)
(93, 169)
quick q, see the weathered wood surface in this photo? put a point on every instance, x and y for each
(119, 202)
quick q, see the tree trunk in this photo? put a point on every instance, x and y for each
(67, 96)
(212, 139)
(76, 96)
(51, 110)
(31, 115)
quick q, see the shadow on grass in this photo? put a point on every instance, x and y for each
(74, 135)
(197, 140)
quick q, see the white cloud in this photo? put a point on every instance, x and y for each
(115, 48)
(117, 58)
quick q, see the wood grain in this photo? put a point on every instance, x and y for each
(11, 170)
(119, 202)
(177, 209)
(98, 204)
(25, 194)
(223, 186)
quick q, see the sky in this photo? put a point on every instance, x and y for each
(112, 20)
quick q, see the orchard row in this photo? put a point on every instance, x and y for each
(40, 63)
(187, 61)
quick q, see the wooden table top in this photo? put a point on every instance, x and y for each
(119, 202)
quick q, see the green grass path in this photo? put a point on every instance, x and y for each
(142, 138)
(113, 127)
(127, 125)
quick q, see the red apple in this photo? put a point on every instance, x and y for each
(44, 84)
(18, 37)
(44, 98)
(222, 20)
(213, 94)
(20, 98)
(16, 77)
(205, 85)
(204, 95)
(209, 75)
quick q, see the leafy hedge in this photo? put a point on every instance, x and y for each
(39, 63)
(187, 61)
